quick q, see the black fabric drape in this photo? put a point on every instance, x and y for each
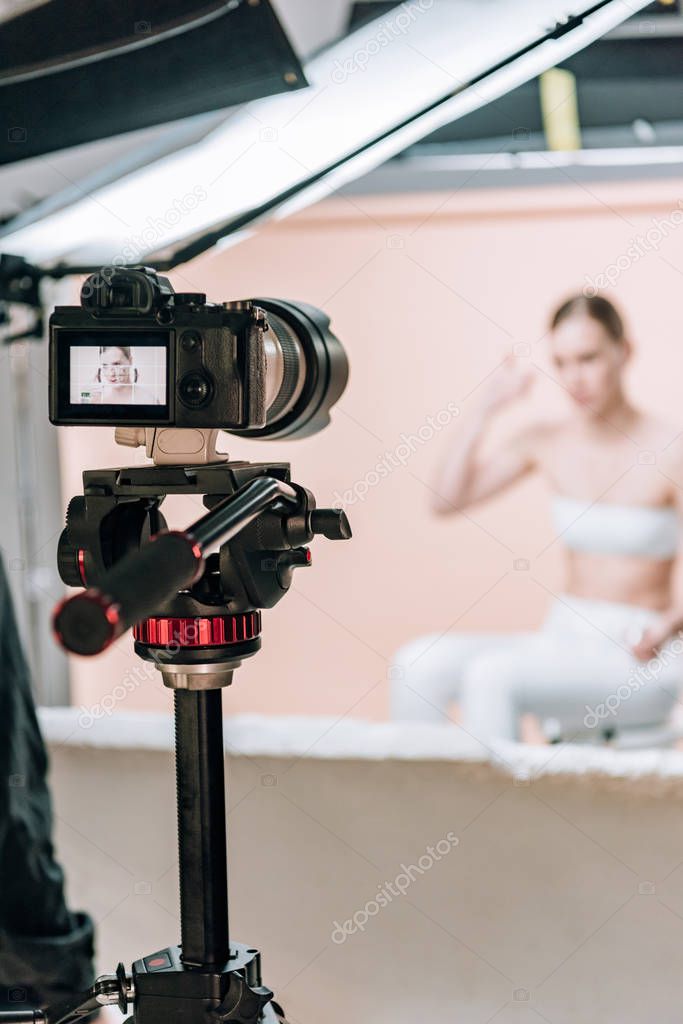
(44, 947)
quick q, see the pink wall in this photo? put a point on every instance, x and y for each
(428, 292)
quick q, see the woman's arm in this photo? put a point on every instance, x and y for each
(671, 620)
(465, 477)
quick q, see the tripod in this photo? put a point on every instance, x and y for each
(196, 616)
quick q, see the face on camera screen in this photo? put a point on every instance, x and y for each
(117, 375)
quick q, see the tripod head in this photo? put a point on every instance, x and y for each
(195, 614)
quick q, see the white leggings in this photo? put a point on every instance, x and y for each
(577, 669)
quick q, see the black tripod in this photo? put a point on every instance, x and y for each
(196, 615)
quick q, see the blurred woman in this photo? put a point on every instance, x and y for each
(612, 469)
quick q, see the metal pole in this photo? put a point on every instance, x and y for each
(201, 827)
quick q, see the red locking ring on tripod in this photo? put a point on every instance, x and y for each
(198, 631)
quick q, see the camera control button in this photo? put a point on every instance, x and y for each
(195, 389)
(158, 962)
(190, 341)
(165, 315)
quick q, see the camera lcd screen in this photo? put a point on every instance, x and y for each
(114, 376)
(117, 375)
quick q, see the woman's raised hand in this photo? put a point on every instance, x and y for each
(510, 381)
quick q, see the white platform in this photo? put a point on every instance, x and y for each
(350, 739)
(562, 899)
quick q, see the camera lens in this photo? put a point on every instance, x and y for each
(195, 389)
(306, 370)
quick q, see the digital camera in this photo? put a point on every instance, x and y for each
(137, 353)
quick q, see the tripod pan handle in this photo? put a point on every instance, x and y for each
(132, 590)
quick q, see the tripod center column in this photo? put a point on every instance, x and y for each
(200, 776)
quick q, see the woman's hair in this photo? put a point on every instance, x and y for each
(594, 306)
(122, 348)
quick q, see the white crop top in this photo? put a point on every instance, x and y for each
(605, 529)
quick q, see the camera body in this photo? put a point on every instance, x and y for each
(136, 352)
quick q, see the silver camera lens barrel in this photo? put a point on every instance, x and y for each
(285, 368)
(306, 370)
